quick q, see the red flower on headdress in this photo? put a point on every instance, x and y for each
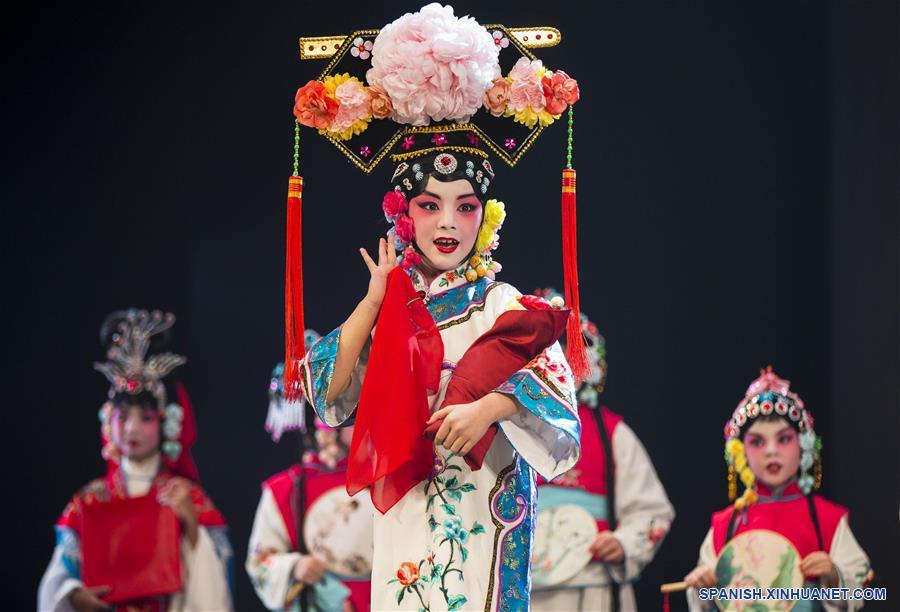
(394, 203)
(560, 90)
(313, 107)
(405, 228)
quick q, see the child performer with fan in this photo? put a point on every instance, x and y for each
(311, 544)
(146, 443)
(456, 355)
(616, 483)
(770, 444)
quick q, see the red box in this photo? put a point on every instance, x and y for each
(132, 546)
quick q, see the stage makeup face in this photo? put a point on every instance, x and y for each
(447, 217)
(773, 452)
(135, 431)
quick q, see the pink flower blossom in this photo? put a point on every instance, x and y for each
(354, 105)
(434, 65)
(526, 90)
(408, 142)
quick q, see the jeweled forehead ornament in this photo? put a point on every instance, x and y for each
(462, 91)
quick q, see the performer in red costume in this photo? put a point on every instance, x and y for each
(615, 482)
(772, 447)
(325, 565)
(146, 443)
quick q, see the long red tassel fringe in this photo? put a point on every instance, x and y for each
(575, 350)
(294, 328)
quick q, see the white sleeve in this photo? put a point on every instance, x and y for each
(707, 558)
(63, 573)
(270, 562)
(643, 511)
(205, 577)
(851, 562)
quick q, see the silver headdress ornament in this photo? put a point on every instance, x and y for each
(128, 369)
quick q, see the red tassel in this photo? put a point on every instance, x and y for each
(666, 602)
(575, 350)
(294, 328)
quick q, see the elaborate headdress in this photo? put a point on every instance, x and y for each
(131, 372)
(316, 439)
(436, 93)
(287, 414)
(766, 396)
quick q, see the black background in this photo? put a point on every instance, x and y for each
(738, 206)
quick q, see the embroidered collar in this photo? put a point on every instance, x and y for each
(443, 282)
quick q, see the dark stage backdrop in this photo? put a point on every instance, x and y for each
(738, 207)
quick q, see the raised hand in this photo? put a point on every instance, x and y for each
(387, 261)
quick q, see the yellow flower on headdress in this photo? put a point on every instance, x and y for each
(494, 216)
(734, 447)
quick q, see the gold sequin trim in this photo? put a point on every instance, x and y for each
(324, 47)
(319, 47)
(455, 148)
(498, 528)
(536, 38)
(471, 311)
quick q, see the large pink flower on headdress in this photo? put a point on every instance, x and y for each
(526, 90)
(434, 65)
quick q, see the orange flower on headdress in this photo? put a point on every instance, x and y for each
(313, 107)
(560, 90)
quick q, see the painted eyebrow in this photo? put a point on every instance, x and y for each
(462, 197)
(785, 430)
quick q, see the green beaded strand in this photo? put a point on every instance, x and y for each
(296, 148)
(569, 139)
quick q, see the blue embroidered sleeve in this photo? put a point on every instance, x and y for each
(316, 377)
(546, 431)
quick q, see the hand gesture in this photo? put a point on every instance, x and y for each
(819, 565)
(176, 494)
(387, 261)
(87, 599)
(701, 577)
(309, 569)
(607, 548)
(464, 425)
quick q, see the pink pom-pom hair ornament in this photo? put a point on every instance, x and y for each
(437, 94)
